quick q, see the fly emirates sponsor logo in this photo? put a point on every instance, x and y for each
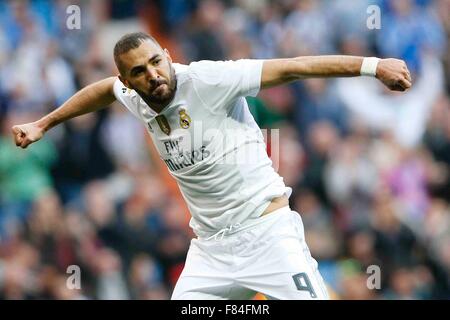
(185, 148)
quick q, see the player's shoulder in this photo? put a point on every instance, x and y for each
(210, 66)
(209, 71)
(121, 90)
(182, 72)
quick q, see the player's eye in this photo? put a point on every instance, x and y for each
(156, 62)
(138, 72)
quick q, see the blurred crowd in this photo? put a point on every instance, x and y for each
(370, 169)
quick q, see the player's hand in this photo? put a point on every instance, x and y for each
(394, 74)
(26, 134)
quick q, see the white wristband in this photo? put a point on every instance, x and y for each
(369, 66)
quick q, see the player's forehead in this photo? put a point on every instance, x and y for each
(141, 54)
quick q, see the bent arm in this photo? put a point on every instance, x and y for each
(392, 72)
(89, 99)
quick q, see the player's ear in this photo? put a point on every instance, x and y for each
(125, 82)
(168, 55)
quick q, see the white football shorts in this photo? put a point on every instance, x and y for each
(269, 256)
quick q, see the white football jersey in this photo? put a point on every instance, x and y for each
(211, 143)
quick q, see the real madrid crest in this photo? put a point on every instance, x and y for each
(185, 120)
(163, 124)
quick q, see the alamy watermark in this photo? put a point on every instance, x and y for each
(73, 20)
(374, 278)
(73, 282)
(374, 19)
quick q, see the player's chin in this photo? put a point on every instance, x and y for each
(160, 96)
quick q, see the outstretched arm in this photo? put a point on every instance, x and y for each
(393, 73)
(89, 99)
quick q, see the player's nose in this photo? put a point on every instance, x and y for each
(152, 74)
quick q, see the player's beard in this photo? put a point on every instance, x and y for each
(164, 99)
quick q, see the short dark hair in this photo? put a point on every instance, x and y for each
(130, 41)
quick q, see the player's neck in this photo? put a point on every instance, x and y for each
(156, 106)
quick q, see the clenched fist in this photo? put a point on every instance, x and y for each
(394, 74)
(26, 134)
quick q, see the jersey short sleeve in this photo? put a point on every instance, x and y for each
(129, 98)
(220, 83)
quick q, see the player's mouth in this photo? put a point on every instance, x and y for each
(158, 89)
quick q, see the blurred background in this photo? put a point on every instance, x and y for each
(369, 168)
